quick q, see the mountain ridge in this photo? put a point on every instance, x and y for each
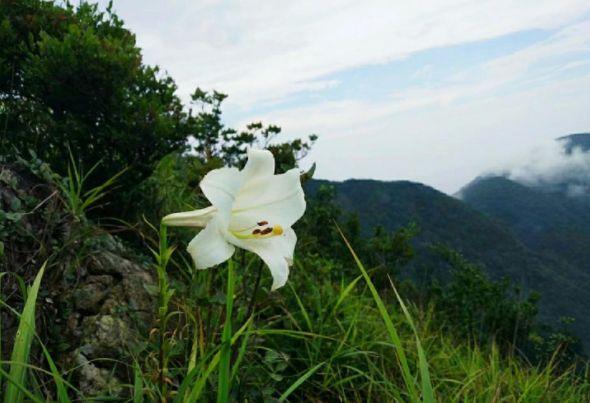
(481, 238)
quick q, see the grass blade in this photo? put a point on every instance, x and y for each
(62, 393)
(22, 345)
(200, 383)
(401, 355)
(427, 392)
(299, 381)
(20, 387)
(137, 384)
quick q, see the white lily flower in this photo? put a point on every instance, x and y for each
(253, 209)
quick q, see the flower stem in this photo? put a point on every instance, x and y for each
(223, 386)
(252, 303)
(163, 299)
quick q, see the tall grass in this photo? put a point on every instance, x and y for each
(426, 392)
(79, 199)
(317, 339)
(16, 387)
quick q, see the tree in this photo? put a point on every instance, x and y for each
(74, 77)
(212, 139)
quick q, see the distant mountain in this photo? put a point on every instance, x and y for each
(550, 216)
(549, 223)
(484, 239)
(577, 140)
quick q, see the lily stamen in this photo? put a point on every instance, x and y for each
(259, 233)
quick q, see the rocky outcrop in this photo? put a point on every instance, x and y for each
(107, 313)
(95, 305)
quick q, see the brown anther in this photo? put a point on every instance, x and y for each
(256, 231)
(266, 231)
(261, 223)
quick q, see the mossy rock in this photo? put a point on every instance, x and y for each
(94, 306)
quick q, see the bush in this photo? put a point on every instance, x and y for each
(75, 77)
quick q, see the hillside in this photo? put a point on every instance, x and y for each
(444, 219)
(550, 215)
(548, 223)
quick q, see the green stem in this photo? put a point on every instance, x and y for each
(252, 303)
(164, 297)
(223, 387)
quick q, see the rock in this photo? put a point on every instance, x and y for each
(95, 381)
(111, 313)
(88, 298)
(93, 304)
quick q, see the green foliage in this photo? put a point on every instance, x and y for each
(172, 187)
(214, 140)
(74, 77)
(477, 308)
(79, 199)
(17, 377)
(500, 252)
(469, 304)
(426, 393)
(318, 223)
(554, 226)
(224, 383)
(549, 222)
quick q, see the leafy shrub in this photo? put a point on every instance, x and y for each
(75, 77)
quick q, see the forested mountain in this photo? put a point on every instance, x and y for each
(577, 140)
(550, 223)
(549, 213)
(502, 249)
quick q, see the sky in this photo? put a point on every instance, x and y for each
(435, 91)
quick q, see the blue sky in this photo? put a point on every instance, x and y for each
(437, 92)
(428, 68)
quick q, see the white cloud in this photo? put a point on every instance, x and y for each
(442, 133)
(352, 114)
(568, 41)
(445, 144)
(261, 51)
(550, 166)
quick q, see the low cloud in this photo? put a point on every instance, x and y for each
(266, 51)
(552, 165)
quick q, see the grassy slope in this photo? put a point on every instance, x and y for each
(346, 333)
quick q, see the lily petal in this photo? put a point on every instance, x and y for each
(276, 252)
(260, 165)
(286, 244)
(279, 268)
(196, 218)
(220, 186)
(279, 199)
(209, 247)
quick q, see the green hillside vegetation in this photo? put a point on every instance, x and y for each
(100, 302)
(553, 225)
(549, 223)
(483, 240)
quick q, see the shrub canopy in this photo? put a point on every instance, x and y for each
(74, 77)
